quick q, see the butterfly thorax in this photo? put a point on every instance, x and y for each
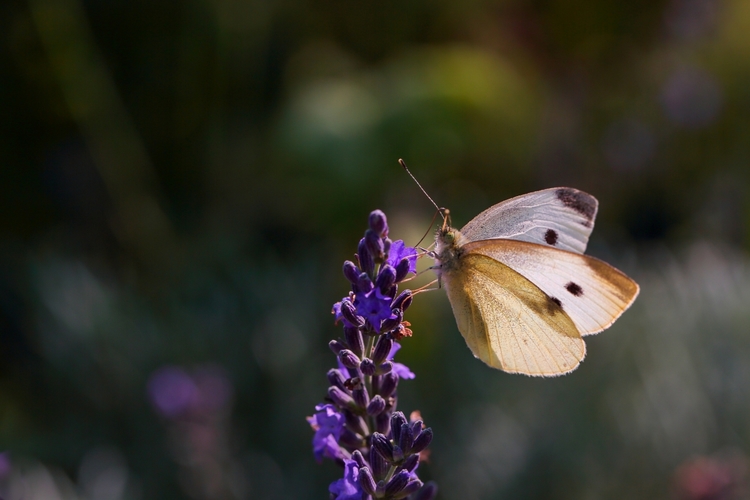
(448, 243)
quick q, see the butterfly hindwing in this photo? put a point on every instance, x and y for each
(593, 293)
(510, 323)
(558, 217)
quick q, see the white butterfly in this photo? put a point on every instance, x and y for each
(522, 291)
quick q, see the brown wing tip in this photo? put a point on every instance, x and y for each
(581, 202)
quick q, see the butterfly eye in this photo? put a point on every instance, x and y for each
(449, 237)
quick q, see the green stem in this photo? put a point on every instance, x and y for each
(390, 473)
(368, 353)
(368, 378)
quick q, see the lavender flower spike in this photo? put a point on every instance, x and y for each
(358, 426)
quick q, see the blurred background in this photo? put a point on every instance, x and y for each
(181, 182)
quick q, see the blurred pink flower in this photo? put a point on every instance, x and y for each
(720, 477)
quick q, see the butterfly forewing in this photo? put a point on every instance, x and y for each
(558, 217)
(508, 322)
(593, 293)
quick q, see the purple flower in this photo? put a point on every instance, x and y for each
(176, 393)
(399, 251)
(172, 391)
(348, 488)
(400, 369)
(5, 464)
(328, 424)
(353, 427)
(374, 307)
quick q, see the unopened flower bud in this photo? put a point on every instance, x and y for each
(367, 367)
(406, 438)
(366, 481)
(397, 483)
(411, 463)
(336, 378)
(354, 340)
(412, 486)
(422, 441)
(364, 284)
(386, 278)
(388, 383)
(382, 349)
(383, 446)
(389, 324)
(336, 346)
(366, 261)
(357, 457)
(351, 272)
(374, 245)
(378, 223)
(349, 312)
(378, 464)
(386, 367)
(361, 397)
(349, 359)
(398, 419)
(403, 301)
(402, 269)
(339, 397)
(376, 406)
(416, 427)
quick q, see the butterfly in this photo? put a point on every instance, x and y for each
(523, 293)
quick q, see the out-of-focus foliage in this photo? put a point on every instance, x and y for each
(180, 182)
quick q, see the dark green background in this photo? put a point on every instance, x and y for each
(181, 181)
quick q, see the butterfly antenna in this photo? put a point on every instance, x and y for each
(428, 229)
(440, 210)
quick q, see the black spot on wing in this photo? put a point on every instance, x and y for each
(553, 304)
(551, 237)
(574, 288)
(581, 202)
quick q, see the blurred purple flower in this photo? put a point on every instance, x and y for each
(5, 464)
(348, 488)
(172, 391)
(400, 369)
(399, 251)
(327, 424)
(691, 98)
